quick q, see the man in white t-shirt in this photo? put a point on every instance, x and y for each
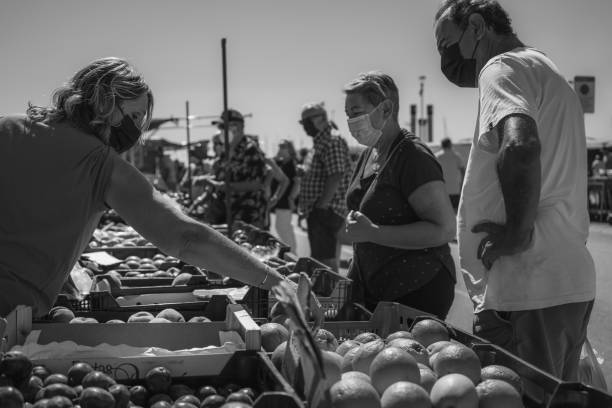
(523, 219)
(453, 170)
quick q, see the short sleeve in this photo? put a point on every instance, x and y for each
(505, 89)
(103, 161)
(335, 157)
(416, 167)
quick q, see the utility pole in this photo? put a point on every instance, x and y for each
(422, 120)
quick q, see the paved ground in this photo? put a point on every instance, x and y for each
(600, 325)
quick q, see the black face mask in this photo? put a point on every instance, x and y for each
(309, 127)
(125, 135)
(460, 71)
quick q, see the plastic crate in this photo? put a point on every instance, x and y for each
(103, 306)
(332, 291)
(542, 390)
(125, 251)
(389, 317)
(139, 286)
(570, 394)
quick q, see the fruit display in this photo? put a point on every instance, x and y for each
(62, 314)
(117, 234)
(24, 385)
(421, 367)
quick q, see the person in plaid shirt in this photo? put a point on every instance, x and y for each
(247, 168)
(324, 183)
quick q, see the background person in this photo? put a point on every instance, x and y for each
(275, 185)
(324, 183)
(401, 219)
(45, 226)
(247, 167)
(598, 167)
(523, 219)
(453, 170)
(286, 159)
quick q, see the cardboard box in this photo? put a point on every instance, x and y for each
(238, 326)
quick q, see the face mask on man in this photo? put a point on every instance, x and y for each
(125, 135)
(309, 127)
(460, 71)
(362, 129)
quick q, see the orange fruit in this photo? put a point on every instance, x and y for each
(365, 355)
(454, 391)
(428, 378)
(332, 364)
(346, 346)
(272, 335)
(401, 334)
(352, 393)
(459, 359)
(326, 340)
(433, 348)
(405, 394)
(366, 337)
(357, 375)
(171, 314)
(428, 331)
(278, 356)
(348, 359)
(392, 365)
(413, 347)
(500, 372)
(498, 394)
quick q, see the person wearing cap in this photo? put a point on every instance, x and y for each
(324, 184)
(247, 168)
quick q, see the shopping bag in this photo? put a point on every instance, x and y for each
(589, 367)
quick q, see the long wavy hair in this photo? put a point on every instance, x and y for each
(88, 99)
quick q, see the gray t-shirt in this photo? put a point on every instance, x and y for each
(53, 179)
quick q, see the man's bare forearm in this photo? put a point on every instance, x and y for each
(519, 171)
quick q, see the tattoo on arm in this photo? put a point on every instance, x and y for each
(519, 172)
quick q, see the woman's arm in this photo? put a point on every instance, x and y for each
(438, 226)
(281, 178)
(432, 205)
(159, 220)
(295, 191)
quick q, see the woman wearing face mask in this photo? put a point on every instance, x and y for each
(400, 219)
(48, 216)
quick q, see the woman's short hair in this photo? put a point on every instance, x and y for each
(90, 96)
(375, 86)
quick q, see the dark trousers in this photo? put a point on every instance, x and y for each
(549, 338)
(323, 228)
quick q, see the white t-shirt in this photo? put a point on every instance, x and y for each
(557, 267)
(451, 168)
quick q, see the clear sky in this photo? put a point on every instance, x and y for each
(281, 54)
